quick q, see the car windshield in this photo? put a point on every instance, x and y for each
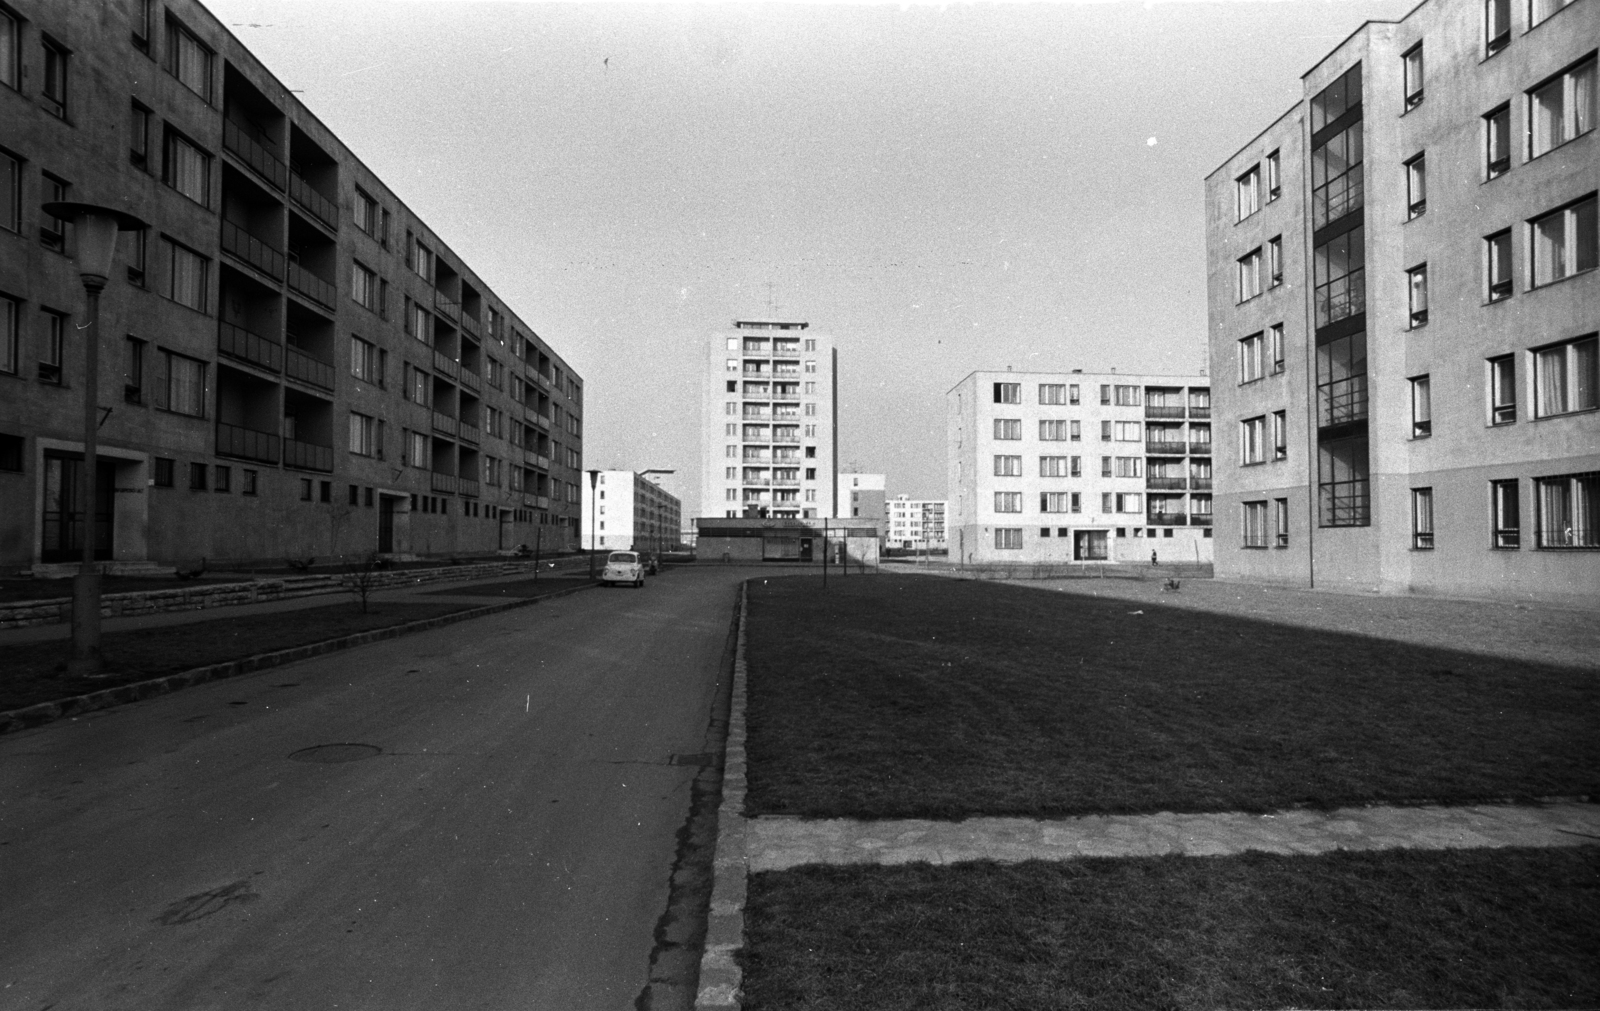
(623, 557)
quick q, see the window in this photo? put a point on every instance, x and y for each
(1504, 501)
(1250, 275)
(1130, 502)
(325, 491)
(1128, 431)
(1008, 501)
(1008, 466)
(188, 60)
(1421, 408)
(1053, 466)
(1280, 435)
(55, 333)
(1274, 177)
(1565, 242)
(1565, 377)
(1053, 431)
(1105, 466)
(55, 233)
(1007, 429)
(133, 378)
(187, 169)
(1416, 186)
(1250, 359)
(1008, 393)
(1077, 466)
(1072, 394)
(1336, 99)
(1497, 269)
(1255, 524)
(1105, 431)
(415, 450)
(139, 136)
(1275, 346)
(186, 276)
(1417, 295)
(222, 478)
(165, 469)
(1129, 466)
(138, 255)
(366, 435)
(368, 362)
(197, 477)
(1412, 61)
(10, 51)
(1008, 538)
(54, 86)
(1130, 396)
(422, 262)
(1496, 25)
(1497, 142)
(1247, 193)
(1502, 390)
(1562, 108)
(1339, 277)
(8, 336)
(1077, 431)
(305, 489)
(1252, 432)
(1538, 10)
(363, 286)
(1052, 393)
(366, 210)
(1422, 519)
(1275, 261)
(10, 192)
(1105, 393)
(247, 482)
(1342, 381)
(1337, 186)
(186, 385)
(1280, 522)
(139, 15)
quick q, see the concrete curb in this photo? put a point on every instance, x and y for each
(47, 712)
(720, 976)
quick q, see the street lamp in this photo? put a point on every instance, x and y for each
(96, 228)
(594, 481)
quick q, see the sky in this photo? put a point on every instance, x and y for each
(940, 188)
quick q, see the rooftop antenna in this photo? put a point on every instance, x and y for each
(772, 306)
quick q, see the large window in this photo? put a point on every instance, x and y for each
(367, 361)
(1008, 466)
(1336, 99)
(1250, 358)
(10, 51)
(1412, 67)
(1416, 186)
(1336, 177)
(188, 60)
(1008, 501)
(1280, 522)
(1053, 466)
(363, 286)
(1339, 277)
(1502, 390)
(1008, 429)
(1565, 377)
(1497, 142)
(1247, 192)
(1565, 242)
(1344, 483)
(1280, 435)
(1274, 347)
(54, 86)
(1129, 466)
(1496, 25)
(1421, 407)
(1130, 396)
(8, 335)
(366, 435)
(55, 340)
(1250, 275)
(1417, 295)
(1252, 438)
(1053, 431)
(1561, 108)
(1274, 177)
(1497, 265)
(186, 385)
(366, 213)
(1342, 381)
(1569, 511)
(10, 193)
(1052, 393)
(1129, 431)
(1008, 393)
(1055, 502)
(55, 233)
(187, 169)
(1422, 519)
(1255, 524)
(1008, 538)
(186, 276)
(1506, 508)
(139, 136)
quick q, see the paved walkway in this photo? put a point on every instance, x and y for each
(774, 844)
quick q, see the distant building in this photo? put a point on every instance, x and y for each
(1058, 467)
(769, 437)
(861, 497)
(1403, 313)
(753, 539)
(916, 524)
(630, 512)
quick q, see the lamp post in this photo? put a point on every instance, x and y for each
(594, 482)
(96, 228)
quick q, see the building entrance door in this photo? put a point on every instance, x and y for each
(64, 508)
(386, 524)
(1089, 546)
(805, 549)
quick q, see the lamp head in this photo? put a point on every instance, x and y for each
(97, 229)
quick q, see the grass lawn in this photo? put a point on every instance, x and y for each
(16, 590)
(520, 588)
(903, 696)
(36, 671)
(1510, 928)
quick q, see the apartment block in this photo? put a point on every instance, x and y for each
(630, 511)
(1403, 308)
(916, 524)
(862, 496)
(1079, 467)
(292, 363)
(770, 437)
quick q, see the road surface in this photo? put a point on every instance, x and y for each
(509, 846)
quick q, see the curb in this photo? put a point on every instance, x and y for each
(48, 712)
(720, 975)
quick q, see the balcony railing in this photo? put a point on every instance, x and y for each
(444, 423)
(306, 455)
(1163, 411)
(238, 342)
(254, 154)
(1200, 448)
(467, 486)
(443, 363)
(541, 502)
(311, 286)
(246, 443)
(445, 307)
(1167, 519)
(299, 365)
(1165, 448)
(1199, 484)
(321, 207)
(1166, 483)
(468, 433)
(1342, 401)
(1200, 520)
(783, 482)
(470, 324)
(241, 244)
(470, 379)
(444, 482)
(1199, 412)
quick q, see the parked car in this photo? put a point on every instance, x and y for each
(623, 567)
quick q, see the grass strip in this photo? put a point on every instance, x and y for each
(36, 671)
(520, 588)
(907, 697)
(1507, 928)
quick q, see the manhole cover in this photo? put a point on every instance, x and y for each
(328, 754)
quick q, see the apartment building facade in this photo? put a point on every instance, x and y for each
(292, 363)
(1403, 310)
(1079, 467)
(770, 427)
(630, 511)
(916, 524)
(863, 497)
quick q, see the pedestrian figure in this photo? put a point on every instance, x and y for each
(1152, 558)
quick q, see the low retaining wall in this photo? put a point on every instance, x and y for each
(200, 596)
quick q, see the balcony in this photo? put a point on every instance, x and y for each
(541, 502)
(444, 482)
(246, 443)
(444, 423)
(1164, 448)
(1167, 519)
(311, 286)
(240, 244)
(470, 325)
(1199, 484)
(245, 147)
(784, 482)
(1162, 411)
(470, 380)
(1200, 520)
(299, 365)
(445, 365)
(307, 456)
(321, 208)
(1199, 412)
(467, 486)
(237, 342)
(540, 421)
(468, 433)
(1166, 483)
(446, 308)
(1200, 448)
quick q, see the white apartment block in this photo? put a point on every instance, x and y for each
(861, 496)
(1063, 467)
(916, 524)
(770, 437)
(630, 512)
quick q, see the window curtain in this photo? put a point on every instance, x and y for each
(1552, 381)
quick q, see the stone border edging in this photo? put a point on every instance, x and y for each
(48, 712)
(720, 976)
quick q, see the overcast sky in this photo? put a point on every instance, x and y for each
(943, 189)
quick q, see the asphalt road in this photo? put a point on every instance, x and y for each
(510, 847)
